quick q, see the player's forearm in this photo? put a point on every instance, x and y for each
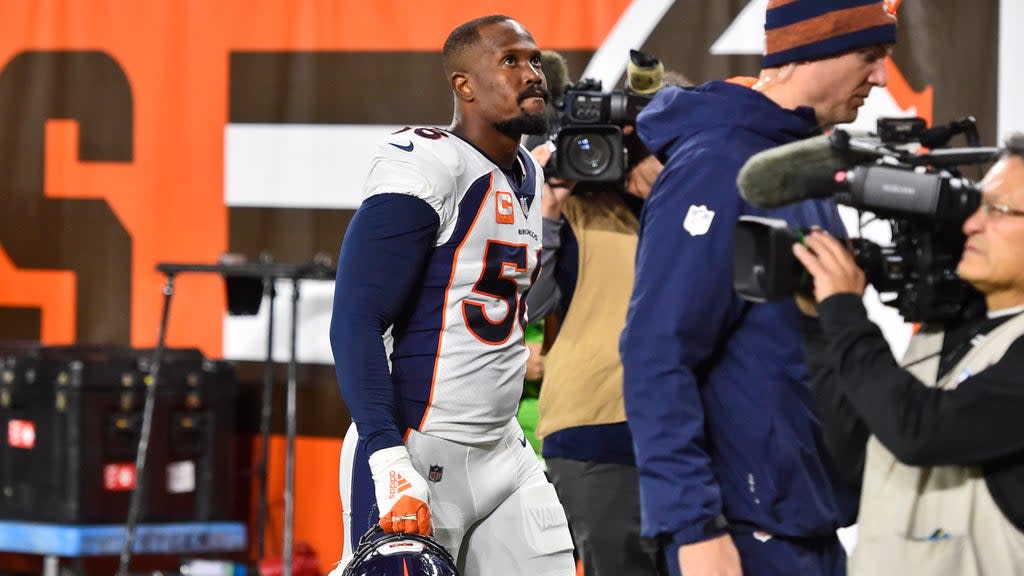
(365, 382)
(385, 249)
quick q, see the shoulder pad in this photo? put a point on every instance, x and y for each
(424, 145)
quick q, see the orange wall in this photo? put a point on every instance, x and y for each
(169, 197)
(317, 502)
(175, 55)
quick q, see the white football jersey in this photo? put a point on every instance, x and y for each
(458, 356)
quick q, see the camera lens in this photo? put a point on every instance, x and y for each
(588, 154)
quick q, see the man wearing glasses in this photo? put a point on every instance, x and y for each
(943, 489)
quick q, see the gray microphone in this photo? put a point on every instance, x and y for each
(795, 171)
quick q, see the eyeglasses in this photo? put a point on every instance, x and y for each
(990, 208)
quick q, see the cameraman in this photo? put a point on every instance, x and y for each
(943, 489)
(585, 281)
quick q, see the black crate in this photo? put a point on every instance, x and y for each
(86, 406)
(200, 478)
(19, 398)
(89, 436)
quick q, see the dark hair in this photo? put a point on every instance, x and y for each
(673, 78)
(465, 35)
(1014, 146)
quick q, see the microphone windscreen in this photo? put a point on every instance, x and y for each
(556, 72)
(778, 176)
(644, 79)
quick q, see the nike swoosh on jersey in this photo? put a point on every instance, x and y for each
(408, 147)
(523, 441)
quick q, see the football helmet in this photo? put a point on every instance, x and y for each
(399, 554)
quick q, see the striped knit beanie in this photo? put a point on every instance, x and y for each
(801, 30)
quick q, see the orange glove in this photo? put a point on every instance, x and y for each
(402, 494)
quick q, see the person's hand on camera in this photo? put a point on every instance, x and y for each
(641, 178)
(556, 190)
(831, 264)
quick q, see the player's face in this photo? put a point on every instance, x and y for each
(837, 87)
(993, 260)
(511, 91)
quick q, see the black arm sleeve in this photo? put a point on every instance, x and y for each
(977, 422)
(842, 429)
(544, 295)
(386, 247)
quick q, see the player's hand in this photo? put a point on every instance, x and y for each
(556, 190)
(832, 265)
(715, 557)
(402, 494)
(534, 362)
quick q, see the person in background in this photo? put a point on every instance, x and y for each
(584, 285)
(734, 475)
(556, 71)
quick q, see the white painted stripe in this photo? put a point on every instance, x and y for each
(746, 33)
(635, 25)
(245, 337)
(1011, 68)
(298, 165)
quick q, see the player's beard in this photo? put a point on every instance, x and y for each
(525, 124)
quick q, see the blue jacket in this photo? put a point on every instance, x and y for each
(716, 389)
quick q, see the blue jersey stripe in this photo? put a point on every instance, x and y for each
(417, 339)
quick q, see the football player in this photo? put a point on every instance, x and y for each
(442, 251)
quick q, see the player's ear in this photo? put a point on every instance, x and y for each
(462, 86)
